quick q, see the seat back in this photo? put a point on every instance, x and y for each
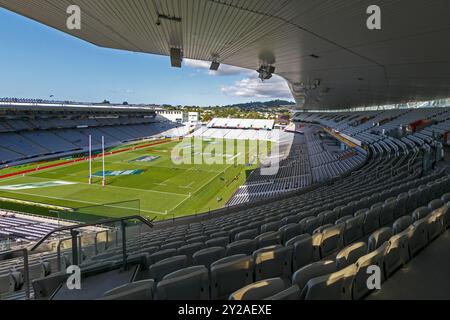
(291, 293)
(374, 258)
(350, 254)
(248, 234)
(313, 270)
(303, 251)
(402, 224)
(267, 239)
(289, 231)
(420, 213)
(272, 262)
(139, 290)
(246, 246)
(334, 286)
(207, 256)
(353, 229)
(230, 274)
(186, 284)
(332, 240)
(259, 290)
(159, 269)
(217, 242)
(379, 237)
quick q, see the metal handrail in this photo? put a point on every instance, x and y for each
(23, 253)
(92, 224)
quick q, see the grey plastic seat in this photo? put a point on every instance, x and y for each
(269, 238)
(397, 254)
(435, 222)
(353, 229)
(236, 230)
(230, 274)
(139, 290)
(402, 224)
(208, 255)
(445, 197)
(347, 210)
(313, 270)
(402, 200)
(189, 249)
(249, 234)
(290, 219)
(379, 237)
(289, 231)
(220, 234)
(161, 255)
(342, 220)
(371, 220)
(272, 262)
(272, 226)
(158, 270)
(334, 286)
(331, 240)
(291, 293)
(321, 228)
(436, 204)
(186, 284)
(246, 246)
(420, 213)
(419, 238)
(329, 217)
(303, 251)
(412, 203)
(172, 245)
(374, 258)
(310, 224)
(44, 287)
(350, 254)
(387, 213)
(198, 239)
(259, 290)
(446, 216)
(217, 242)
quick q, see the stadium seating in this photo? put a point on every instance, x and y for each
(315, 243)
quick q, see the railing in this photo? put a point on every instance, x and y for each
(23, 253)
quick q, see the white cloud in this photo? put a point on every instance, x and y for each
(253, 87)
(248, 87)
(224, 70)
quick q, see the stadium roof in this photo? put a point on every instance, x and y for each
(308, 41)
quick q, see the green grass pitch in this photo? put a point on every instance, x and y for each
(164, 190)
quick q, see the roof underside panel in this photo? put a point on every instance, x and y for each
(306, 40)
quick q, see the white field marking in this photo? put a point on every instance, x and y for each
(39, 185)
(235, 156)
(81, 201)
(204, 185)
(123, 188)
(189, 186)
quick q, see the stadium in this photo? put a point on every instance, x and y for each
(350, 200)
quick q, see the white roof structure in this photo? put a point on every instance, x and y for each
(259, 124)
(322, 48)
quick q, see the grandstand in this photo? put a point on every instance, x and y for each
(57, 130)
(362, 191)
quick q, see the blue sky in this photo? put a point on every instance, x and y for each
(37, 61)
